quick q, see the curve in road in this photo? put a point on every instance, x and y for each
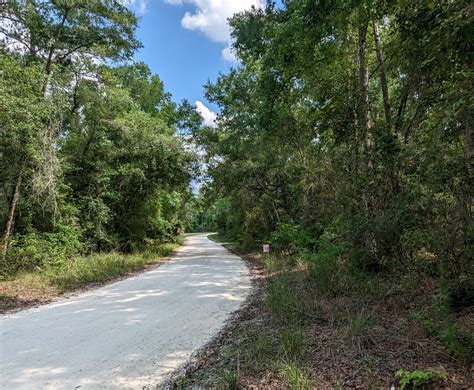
(129, 334)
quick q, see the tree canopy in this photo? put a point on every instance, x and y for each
(351, 118)
(90, 152)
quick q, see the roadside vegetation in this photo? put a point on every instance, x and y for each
(94, 171)
(345, 142)
(302, 329)
(31, 287)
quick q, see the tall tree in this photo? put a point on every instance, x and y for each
(57, 33)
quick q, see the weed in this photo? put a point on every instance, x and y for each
(357, 327)
(230, 379)
(258, 348)
(277, 263)
(416, 379)
(294, 376)
(458, 342)
(367, 372)
(292, 343)
(182, 382)
(282, 300)
(440, 323)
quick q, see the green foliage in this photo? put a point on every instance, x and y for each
(101, 267)
(292, 343)
(358, 326)
(281, 299)
(440, 323)
(356, 176)
(89, 151)
(230, 378)
(259, 348)
(296, 377)
(459, 342)
(417, 379)
(291, 237)
(39, 250)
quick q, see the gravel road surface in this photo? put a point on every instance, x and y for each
(129, 334)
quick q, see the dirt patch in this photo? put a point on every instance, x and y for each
(25, 293)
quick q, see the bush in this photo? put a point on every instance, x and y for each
(416, 379)
(42, 250)
(439, 322)
(328, 268)
(291, 237)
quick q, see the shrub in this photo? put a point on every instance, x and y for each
(458, 342)
(416, 379)
(42, 249)
(441, 324)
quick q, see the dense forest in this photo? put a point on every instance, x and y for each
(347, 131)
(345, 141)
(91, 157)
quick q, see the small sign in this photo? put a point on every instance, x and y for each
(266, 248)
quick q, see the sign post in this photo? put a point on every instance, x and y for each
(266, 248)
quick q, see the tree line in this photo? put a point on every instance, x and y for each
(345, 137)
(90, 153)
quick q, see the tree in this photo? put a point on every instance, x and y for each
(56, 34)
(353, 112)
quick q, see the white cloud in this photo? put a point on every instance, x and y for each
(139, 6)
(228, 54)
(209, 117)
(211, 18)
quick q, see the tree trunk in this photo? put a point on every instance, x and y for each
(383, 75)
(365, 122)
(386, 105)
(52, 48)
(11, 214)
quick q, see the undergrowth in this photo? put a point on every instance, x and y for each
(81, 271)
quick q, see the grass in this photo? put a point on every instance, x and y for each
(281, 299)
(294, 376)
(292, 343)
(79, 272)
(219, 238)
(440, 323)
(98, 268)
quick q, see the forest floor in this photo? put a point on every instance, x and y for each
(289, 335)
(40, 286)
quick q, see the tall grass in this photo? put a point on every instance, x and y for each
(82, 271)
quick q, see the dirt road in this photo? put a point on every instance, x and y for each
(129, 334)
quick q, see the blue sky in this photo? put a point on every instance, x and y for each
(186, 42)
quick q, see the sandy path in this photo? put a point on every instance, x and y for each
(129, 334)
